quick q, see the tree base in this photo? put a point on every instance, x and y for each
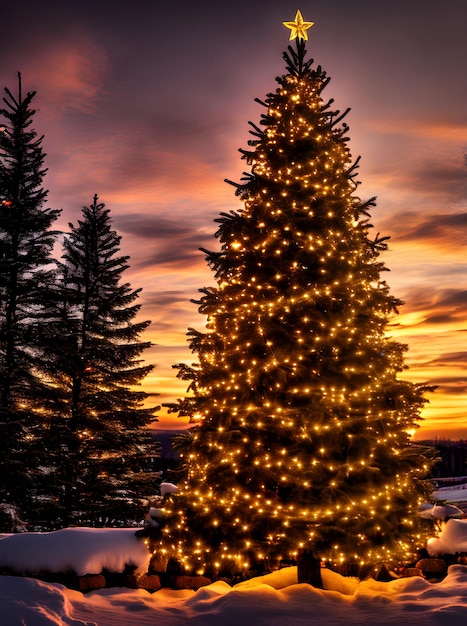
(309, 569)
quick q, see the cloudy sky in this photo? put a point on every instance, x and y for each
(146, 102)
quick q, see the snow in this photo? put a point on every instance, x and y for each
(441, 512)
(82, 550)
(275, 599)
(455, 493)
(167, 488)
(452, 539)
(271, 600)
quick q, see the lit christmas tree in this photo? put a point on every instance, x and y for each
(303, 434)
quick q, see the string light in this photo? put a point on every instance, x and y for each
(304, 438)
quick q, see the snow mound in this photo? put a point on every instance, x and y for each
(413, 601)
(452, 539)
(270, 600)
(81, 550)
(288, 576)
(168, 488)
(441, 512)
(28, 602)
(277, 580)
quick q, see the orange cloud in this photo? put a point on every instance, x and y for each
(422, 129)
(70, 76)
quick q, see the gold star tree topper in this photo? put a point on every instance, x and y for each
(299, 27)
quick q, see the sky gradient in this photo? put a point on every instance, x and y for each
(146, 103)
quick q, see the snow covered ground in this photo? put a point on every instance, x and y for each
(274, 599)
(455, 494)
(81, 550)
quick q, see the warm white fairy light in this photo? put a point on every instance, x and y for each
(311, 418)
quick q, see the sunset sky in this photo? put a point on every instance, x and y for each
(146, 102)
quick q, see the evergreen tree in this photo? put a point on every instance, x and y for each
(101, 449)
(303, 437)
(26, 242)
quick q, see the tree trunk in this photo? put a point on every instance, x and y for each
(309, 569)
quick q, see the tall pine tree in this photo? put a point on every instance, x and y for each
(303, 439)
(100, 450)
(26, 242)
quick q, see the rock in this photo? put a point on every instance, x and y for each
(131, 581)
(432, 567)
(90, 582)
(191, 582)
(150, 582)
(411, 571)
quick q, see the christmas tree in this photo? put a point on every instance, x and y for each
(302, 439)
